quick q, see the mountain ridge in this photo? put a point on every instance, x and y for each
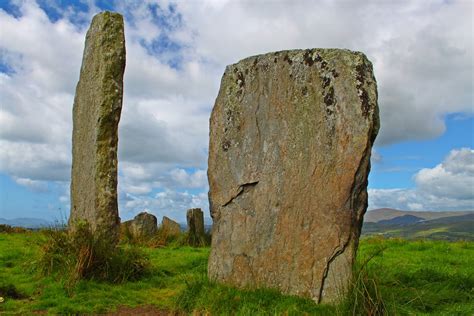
(377, 215)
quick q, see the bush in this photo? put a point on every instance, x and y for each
(198, 240)
(9, 229)
(81, 255)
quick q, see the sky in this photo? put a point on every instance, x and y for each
(422, 52)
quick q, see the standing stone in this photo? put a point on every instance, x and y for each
(290, 139)
(96, 114)
(170, 227)
(144, 225)
(195, 219)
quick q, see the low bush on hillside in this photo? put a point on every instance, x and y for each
(9, 229)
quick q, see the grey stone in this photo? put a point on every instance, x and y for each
(170, 227)
(196, 233)
(143, 226)
(96, 114)
(291, 134)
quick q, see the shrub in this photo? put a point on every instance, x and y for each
(198, 240)
(9, 229)
(189, 239)
(81, 255)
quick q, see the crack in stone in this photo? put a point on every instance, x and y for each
(335, 254)
(354, 202)
(242, 188)
(256, 120)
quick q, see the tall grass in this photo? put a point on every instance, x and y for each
(81, 255)
(364, 296)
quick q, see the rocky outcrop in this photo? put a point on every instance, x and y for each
(290, 139)
(196, 233)
(96, 114)
(169, 227)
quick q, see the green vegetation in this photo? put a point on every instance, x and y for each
(422, 277)
(393, 276)
(451, 228)
(81, 255)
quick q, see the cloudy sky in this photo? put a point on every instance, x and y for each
(422, 53)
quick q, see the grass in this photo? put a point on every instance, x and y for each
(423, 277)
(394, 276)
(82, 256)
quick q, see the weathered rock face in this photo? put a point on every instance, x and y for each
(291, 134)
(195, 219)
(144, 225)
(96, 114)
(170, 227)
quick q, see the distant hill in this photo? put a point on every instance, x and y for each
(26, 222)
(401, 220)
(389, 213)
(459, 227)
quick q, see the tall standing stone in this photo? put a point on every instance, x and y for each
(195, 220)
(291, 134)
(96, 114)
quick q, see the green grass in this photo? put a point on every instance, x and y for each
(423, 277)
(410, 277)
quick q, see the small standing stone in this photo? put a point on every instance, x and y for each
(170, 227)
(96, 115)
(196, 233)
(143, 226)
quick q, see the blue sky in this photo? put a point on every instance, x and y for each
(176, 54)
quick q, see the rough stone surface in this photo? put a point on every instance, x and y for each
(96, 114)
(291, 134)
(170, 227)
(144, 225)
(195, 219)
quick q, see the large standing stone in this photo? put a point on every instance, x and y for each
(96, 114)
(196, 233)
(290, 139)
(170, 227)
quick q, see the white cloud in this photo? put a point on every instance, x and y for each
(183, 179)
(38, 186)
(447, 186)
(421, 50)
(43, 162)
(454, 178)
(375, 157)
(140, 179)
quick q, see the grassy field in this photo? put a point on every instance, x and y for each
(404, 277)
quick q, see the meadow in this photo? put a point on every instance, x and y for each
(392, 277)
